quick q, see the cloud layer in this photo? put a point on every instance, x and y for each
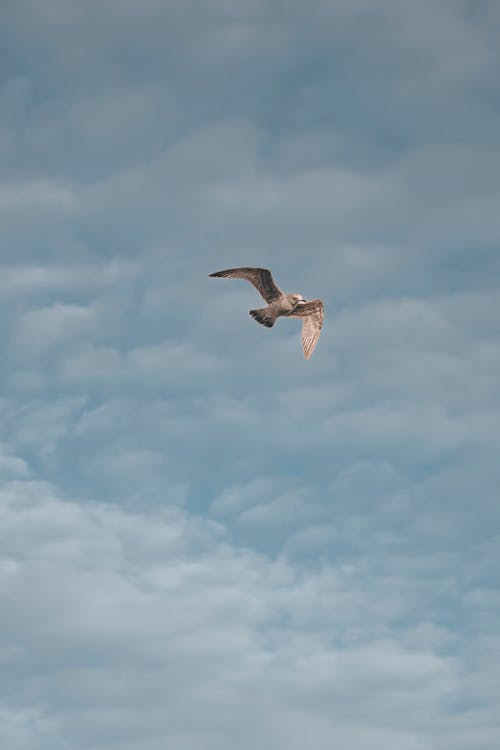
(206, 541)
(129, 628)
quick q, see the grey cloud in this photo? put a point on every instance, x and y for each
(11, 464)
(44, 328)
(258, 551)
(43, 195)
(18, 279)
(95, 576)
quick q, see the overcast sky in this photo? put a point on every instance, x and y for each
(208, 543)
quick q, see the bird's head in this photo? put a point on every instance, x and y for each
(297, 299)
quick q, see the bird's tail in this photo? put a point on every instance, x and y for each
(263, 316)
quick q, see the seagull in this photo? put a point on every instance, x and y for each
(280, 304)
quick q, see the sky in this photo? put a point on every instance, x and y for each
(206, 542)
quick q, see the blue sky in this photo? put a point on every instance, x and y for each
(207, 542)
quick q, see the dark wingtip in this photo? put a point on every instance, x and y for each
(216, 273)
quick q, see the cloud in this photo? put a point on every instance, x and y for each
(11, 465)
(206, 541)
(37, 195)
(32, 279)
(47, 327)
(221, 628)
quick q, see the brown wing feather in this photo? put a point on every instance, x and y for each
(312, 314)
(260, 277)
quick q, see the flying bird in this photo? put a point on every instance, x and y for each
(280, 304)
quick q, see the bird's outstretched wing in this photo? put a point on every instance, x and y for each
(312, 314)
(260, 277)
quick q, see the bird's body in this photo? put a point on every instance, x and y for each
(281, 307)
(280, 304)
